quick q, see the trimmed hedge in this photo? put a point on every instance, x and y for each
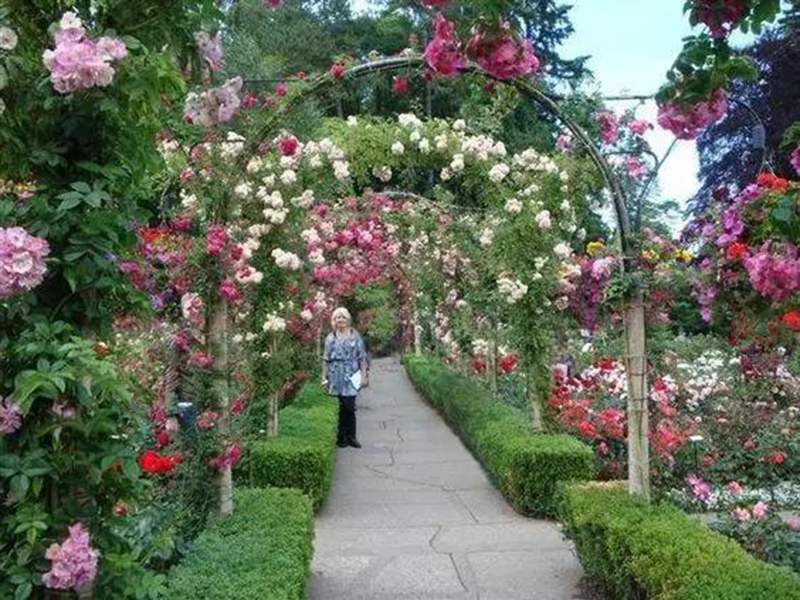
(638, 550)
(261, 551)
(303, 455)
(525, 467)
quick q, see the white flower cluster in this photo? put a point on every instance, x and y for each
(487, 237)
(286, 260)
(275, 213)
(499, 172)
(512, 289)
(705, 377)
(315, 151)
(232, 147)
(483, 147)
(480, 348)
(304, 200)
(274, 323)
(382, 173)
(513, 206)
(410, 121)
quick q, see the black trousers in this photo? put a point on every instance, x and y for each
(347, 418)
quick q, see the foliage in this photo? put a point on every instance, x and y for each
(302, 456)
(262, 551)
(375, 312)
(525, 466)
(656, 551)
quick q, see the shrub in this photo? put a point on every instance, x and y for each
(302, 456)
(261, 551)
(525, 466)
(656, 551)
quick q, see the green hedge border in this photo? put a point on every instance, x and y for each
(263, 550)
(638, 550)
(526, 467)
(303, 455)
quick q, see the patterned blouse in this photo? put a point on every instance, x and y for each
(344, 357)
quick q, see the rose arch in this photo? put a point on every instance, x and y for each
(363, 157)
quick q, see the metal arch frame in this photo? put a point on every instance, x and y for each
(324, 82)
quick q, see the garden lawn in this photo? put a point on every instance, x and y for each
(303, 455)
(262, 551)
(525, 466)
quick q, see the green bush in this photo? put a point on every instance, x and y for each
(526, 467)
(302, 456)
(261, 551)
(655, 551)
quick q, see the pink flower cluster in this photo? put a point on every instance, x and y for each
(10, 417)
(211, 49)
(22, 261)
(443, 53)
(635, 169)
(214, 106)
(700, 489)
(74, 563)
(686, 121)
(216, 239)
(775, 276)
(609, 127)
(720, 16)
(501, 54)
(229, 458)
(79, 63)
(758, 511)
(795, 159)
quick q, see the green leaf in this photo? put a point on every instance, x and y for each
(69, 200)
(23, 591)
(82, 187)
(19, 485)
(3, 78)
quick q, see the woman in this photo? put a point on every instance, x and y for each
(344, 361)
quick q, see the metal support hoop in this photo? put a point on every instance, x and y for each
(524, 86)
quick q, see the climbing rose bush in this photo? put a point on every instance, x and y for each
(443, 54)
(74, 562)
(500, 53)
(720, 16)
(79, 63)
(22, 261)
(686, 121)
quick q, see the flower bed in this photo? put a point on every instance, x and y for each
(263, 550)
(656, 551)
(526, 467)
(302, 456)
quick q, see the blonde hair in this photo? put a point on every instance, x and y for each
(341, 311)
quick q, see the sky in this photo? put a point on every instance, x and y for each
(632, 44)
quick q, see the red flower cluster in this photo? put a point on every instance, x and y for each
(792, 320)
(501, 54)
(507, 363)
(153, 463)
(737, 251)
(772, 182)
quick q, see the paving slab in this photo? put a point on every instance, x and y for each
(413, 516)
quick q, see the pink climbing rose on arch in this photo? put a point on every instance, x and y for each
(77, 62)
(443, 54)
(686, 121)
(500, 53)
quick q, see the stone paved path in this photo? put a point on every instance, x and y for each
(413, 516)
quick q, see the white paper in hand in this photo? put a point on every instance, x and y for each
(355, 379)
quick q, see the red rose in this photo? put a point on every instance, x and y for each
(337, 70)
(400, 86)
(749, 445)
(737, 251)
(792, 320)
(777, 458)
(288, 146)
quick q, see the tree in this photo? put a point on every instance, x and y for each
(734, 150)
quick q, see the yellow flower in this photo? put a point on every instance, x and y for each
(650, 256)
(593, 248)
(683, 256)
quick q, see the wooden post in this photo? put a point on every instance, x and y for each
(218, 339)
(274, 402)
(417, 332)
(636, 367)
(534, 403)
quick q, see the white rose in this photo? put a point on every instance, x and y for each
(398, 148)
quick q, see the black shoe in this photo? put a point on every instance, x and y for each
(353, 443)
(342, 443)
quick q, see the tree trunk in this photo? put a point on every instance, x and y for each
(218, 338)
(636, 367)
